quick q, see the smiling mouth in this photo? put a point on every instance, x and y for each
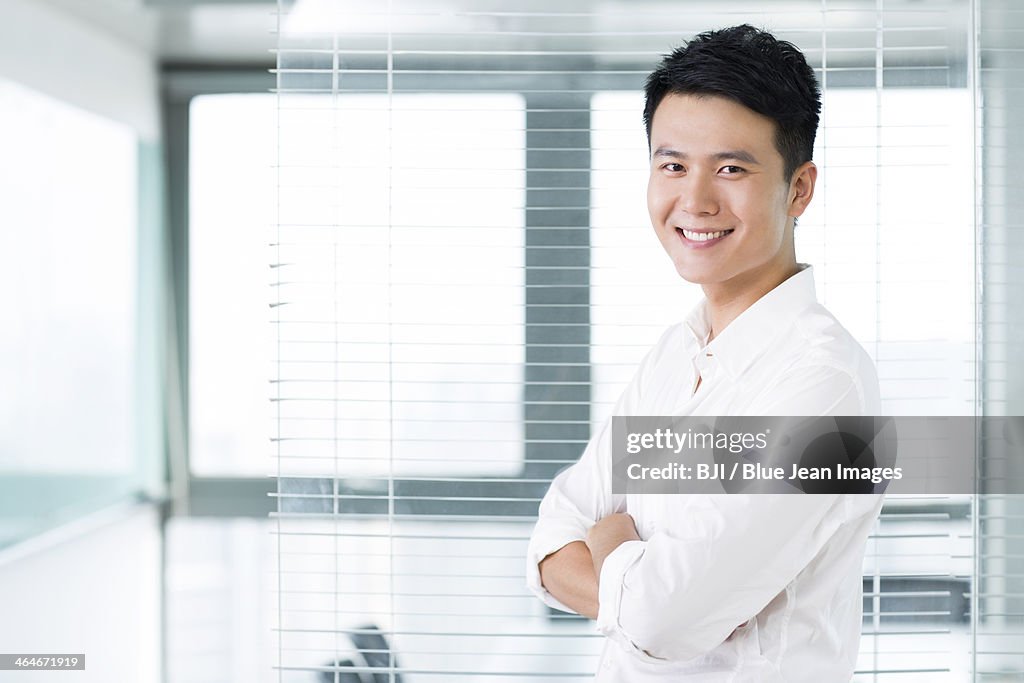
(695, 236)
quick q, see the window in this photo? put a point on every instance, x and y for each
(69, 201)
(393, 304)
(231, 205)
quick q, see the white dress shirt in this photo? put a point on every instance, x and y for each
(786, 567)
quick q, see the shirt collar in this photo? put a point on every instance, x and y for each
(747, 337)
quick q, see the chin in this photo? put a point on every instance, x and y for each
(697, 276)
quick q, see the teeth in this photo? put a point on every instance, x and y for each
(704, 236)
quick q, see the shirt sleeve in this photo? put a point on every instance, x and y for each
(578, 497)
(581, 494)
(680, 593)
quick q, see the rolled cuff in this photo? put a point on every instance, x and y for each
(550, 535)
(609, 592)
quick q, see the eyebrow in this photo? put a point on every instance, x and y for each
(737, 154)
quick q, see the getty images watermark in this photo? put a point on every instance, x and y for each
(875, 454)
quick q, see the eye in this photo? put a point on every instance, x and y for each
(732, 170)
(673, 167)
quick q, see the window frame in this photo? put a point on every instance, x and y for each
(543, 380)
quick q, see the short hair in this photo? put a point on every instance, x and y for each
(752, 67)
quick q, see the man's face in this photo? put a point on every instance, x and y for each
(717, 197)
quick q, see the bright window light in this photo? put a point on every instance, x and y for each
(399, 270)
(68, 203)
(892, 263)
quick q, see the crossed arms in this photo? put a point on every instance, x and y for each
(571, 573)
(681, 592)
(703, 564)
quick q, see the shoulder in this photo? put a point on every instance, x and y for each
(827, 342)
(824, 340)
(825, 365)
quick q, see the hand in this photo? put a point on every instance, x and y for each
(607, 535)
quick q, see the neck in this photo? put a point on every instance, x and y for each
(727, 300)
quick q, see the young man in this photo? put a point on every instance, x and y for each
(731, 587)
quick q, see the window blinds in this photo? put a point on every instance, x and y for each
(998, 614)
(463, 278)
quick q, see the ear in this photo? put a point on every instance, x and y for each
(801, 188)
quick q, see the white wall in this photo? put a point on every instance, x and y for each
(93, 589)
(64, 57)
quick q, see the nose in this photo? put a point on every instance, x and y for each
(697, 196)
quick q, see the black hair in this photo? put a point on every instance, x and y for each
(751, 67)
